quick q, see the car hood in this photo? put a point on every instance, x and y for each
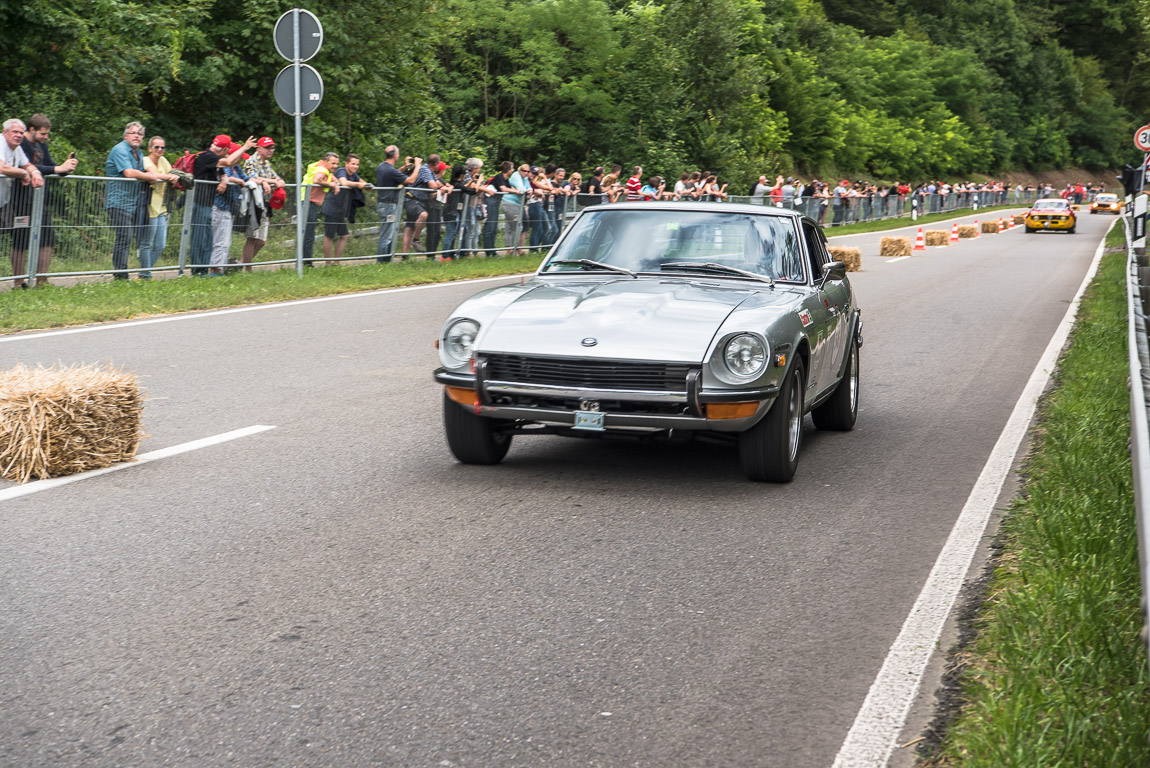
(665, 319)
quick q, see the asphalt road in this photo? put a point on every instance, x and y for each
(339, 592)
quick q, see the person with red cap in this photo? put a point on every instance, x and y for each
(259, 168)
(207, 169)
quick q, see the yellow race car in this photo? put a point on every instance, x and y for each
(1106, 202)
(1051, 214)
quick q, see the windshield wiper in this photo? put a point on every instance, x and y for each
(710, 266)
(595, 264)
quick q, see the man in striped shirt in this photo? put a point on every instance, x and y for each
(635, 185)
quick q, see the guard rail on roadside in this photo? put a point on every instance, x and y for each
(65, 229)
(1138, 316)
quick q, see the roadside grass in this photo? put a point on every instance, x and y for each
(55, 306)
(1057, 674)
(104, 300)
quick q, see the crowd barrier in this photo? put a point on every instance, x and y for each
(64, 228)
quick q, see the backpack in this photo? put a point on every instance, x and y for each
(185, 164)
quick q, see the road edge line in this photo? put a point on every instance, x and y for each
(29, 335)
(873, 735)
(163, 453)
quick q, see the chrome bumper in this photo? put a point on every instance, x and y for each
(692, 399)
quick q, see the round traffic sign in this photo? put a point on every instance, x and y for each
(1142, 138)
(310, 89)
(310, 35)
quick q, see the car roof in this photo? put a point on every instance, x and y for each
(1052, 200)
(768, 210)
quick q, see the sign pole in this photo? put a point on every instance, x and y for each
(302, 205)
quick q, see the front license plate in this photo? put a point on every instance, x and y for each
(589, 420)
(1047, 225)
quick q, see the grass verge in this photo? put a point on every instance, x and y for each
(55, 306)
(1057, 674)
(95, 302)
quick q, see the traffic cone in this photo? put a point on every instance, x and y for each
(977, 231)
(1010, 222)
(919, 241)
(954, 233)
(1001, 226)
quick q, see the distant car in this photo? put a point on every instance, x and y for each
(1051, 214)
(1106, 202)
(661, 319)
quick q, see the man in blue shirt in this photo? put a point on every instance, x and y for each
(513, 210)
(126, 201)
(388, 180)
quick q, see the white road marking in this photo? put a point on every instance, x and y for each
(163, 453)
(236, 310)
(897, 258)
(876, 728)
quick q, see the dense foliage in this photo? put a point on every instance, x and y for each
(887, 88)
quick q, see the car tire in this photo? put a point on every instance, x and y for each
(839, 412)
(769, 451)
(1071, 230)
(1029, 231)
(473, 439)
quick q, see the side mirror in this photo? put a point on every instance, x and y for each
(835, 270)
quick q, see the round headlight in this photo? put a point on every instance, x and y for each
(459, 340)
(745, 355)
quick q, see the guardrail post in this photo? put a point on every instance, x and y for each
(36, 225)
(186, 230)
(397, 231)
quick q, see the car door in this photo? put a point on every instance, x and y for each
(818, 318)
(836, 296)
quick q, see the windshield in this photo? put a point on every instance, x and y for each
(1107, 198)
(1051, 205)
(645, 241)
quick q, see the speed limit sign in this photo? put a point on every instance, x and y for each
(1142, 138)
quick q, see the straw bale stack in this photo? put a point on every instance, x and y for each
(852, 257)
(989, 227)
(66, 419)
(1019, 218)
(967, 231)
(894, 247)
(937, 237)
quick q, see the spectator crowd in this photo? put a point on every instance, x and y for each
(444, 211)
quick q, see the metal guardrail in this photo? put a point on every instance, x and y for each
(1138, 322)
(65, 228)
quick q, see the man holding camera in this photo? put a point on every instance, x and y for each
(415, 202)
(388, 180)
(35, 147)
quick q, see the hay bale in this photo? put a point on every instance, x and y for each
(989, 227)
(894, 247)
(967, 231)
(852, 257)
(62, 420)
(1019, 218)
(937, 237)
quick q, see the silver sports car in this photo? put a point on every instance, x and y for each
(648, 319)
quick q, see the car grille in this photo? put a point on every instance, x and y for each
(594, 374)
(1049, 217)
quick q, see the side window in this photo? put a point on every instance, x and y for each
(816, 248)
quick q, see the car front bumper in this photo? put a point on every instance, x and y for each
(1053, 221)
(623, 410)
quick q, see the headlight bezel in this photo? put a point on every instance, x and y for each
(751, 348)
(457, 344)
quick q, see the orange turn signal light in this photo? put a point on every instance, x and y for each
(468, 397)
(731, 410)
